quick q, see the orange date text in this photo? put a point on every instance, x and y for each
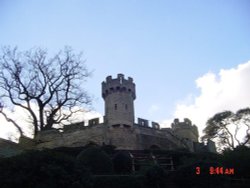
(216, 171)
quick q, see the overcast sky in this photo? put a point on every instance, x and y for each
(188, 58)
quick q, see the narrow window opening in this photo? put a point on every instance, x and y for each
(126, 106)
(120, 80)
(115, 106)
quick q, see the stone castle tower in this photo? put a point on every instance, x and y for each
(185, 129)
(119, 95)
(120, 128)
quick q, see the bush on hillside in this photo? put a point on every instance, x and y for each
(187, 176)
(96, 160)
(42, 169)
(122, 163)
(239, 160)
(156, 176)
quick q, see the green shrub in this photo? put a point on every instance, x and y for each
(109, 149)
(118, 181)
(156, 177)
(239, 160)
(97, 161)
(42, 169)
(122, 163)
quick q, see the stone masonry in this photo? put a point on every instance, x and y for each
(119, 127)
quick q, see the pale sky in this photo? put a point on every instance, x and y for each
(188, 58)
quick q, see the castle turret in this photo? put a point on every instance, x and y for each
(119, 95)
(185, 129)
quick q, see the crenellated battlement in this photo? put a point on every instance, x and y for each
(119, 84)
(185, 129)
(187, 123)
(83, 124)
(148, 124)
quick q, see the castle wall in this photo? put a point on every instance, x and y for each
(148, 138)
(186, 133)
(123, 137)
(73, 138)
(119, 128)
(211, 146)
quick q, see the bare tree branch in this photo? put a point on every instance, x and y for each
(12, 121)
(30, 78)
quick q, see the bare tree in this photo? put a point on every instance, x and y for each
(227, 128)
(48, 89)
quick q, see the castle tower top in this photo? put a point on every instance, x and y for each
(118, 84)
(185, 129)
(119, 95)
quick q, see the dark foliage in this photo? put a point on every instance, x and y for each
(71, 151)
(109, 149)
(96, 160)
(56, 168)
(239, 159)
(186, 176)
(183, 157)
(122, 163)
(118, 181)
(42, 169)
(156, 177)
(220, 127)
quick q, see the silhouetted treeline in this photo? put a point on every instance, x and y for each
(95, 167)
